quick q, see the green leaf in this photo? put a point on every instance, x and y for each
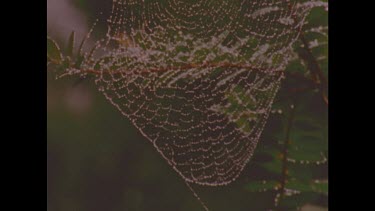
(300, 172)
(274, 166)
(299, 186)
(261, 186)
(304, 155)
(53, 51)
(80, 48)
(92, 52)
(312, 143)
(65, 64)
(298, 200)
(272, 152)
(70, 45)
(315, 186)
(79, 61)
(321, 187)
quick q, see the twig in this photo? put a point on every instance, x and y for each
(284, 168)
(308, 57)
(314, 68)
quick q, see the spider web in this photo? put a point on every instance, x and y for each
(197, 77)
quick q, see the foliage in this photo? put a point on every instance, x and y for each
(294, 149)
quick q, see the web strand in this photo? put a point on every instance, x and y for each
(196, 196)
(197, 78)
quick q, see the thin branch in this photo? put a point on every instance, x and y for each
(314, 68)
(284, 168)
(308, 57)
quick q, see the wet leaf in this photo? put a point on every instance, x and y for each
(70, 45)
(53, 51)
(260, 186)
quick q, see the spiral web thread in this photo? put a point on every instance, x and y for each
(197, 77)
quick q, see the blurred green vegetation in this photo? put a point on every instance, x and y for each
(97, 160)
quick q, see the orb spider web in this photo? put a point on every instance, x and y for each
(196, 77)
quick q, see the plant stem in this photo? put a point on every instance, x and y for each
(284, 168)
(313, 66)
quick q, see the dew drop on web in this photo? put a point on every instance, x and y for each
(197, 78)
